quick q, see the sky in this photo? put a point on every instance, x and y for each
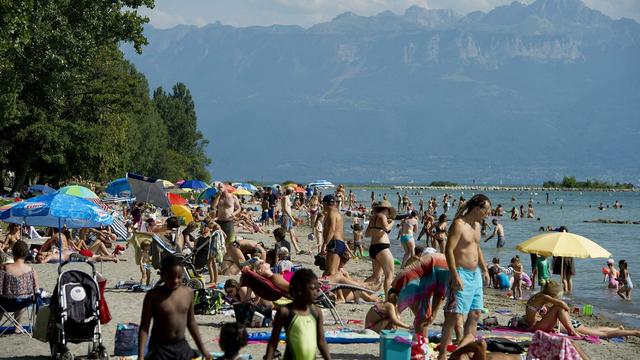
(169, 13)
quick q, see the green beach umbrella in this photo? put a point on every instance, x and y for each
(79, 191)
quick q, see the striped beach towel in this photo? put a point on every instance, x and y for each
(421, 281)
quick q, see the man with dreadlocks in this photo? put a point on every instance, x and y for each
(467, 271)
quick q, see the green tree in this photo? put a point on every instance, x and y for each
(47, 49)
(569, 182)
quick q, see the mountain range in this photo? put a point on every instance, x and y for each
(520, 94)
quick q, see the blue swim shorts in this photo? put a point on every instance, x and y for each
(405, 238)
(471, 297)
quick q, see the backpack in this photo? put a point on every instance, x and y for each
(206, 301)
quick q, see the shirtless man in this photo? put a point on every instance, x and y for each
(170, 306)
(332, 235)
(286, 220)
(227, 207)
(467, 269)
(498, 230)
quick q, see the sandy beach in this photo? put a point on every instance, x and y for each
(125, 307)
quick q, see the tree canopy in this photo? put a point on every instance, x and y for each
(71, 105)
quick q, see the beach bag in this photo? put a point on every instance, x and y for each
(126, 341)
(244, 313)
(518, 322)
(504, 346)
(545, 346)
(103, 308)
(41, 327)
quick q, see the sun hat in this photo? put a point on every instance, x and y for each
(385, 204)
(610, 262)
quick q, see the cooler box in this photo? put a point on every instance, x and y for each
(395, 345)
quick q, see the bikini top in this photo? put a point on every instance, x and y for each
(380, 228)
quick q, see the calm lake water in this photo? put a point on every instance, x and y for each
(570, 209)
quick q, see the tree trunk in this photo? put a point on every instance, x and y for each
(21, 176)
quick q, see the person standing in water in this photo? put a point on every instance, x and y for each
(498, 230)
(467, 269)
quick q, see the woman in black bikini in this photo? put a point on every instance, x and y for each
(441, 233)
(380, 226)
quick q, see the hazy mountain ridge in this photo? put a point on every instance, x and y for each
(555, 72)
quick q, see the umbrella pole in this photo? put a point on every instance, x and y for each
(562, 272)
(59, 241)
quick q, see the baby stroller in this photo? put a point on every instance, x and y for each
(76, 313)
(192, 276)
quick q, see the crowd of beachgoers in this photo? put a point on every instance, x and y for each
(289, 257)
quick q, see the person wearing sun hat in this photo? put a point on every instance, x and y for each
(380, 225)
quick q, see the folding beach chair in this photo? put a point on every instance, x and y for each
(265, 289)
(8, 322)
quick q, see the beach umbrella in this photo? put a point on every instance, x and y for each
(44, 189)
(242, 192)
(300, 190)
(207, 195)
(56, 209)
(118, 186)
(247, 186)
(176, 199)
(563, 244)
(79, 191)
(183, 212)
(194, 184)
(167, 184)
(8, 206)
(149, 190)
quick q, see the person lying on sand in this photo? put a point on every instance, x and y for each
(477, 350)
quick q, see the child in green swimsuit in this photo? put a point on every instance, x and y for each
(301, 320)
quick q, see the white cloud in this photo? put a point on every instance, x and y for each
(169, 13)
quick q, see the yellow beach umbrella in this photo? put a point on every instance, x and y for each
(242, 192)
(183, 212)
(563, 244)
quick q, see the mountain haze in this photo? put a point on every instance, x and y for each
(521, 94)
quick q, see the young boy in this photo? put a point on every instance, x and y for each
(170, 306)
(233, 337)
(301, 320)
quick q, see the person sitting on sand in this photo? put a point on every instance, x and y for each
(301, 320)
(170, 307)
(234, 293)
(50, 249)
(477, 350)
(383, 315)
(539, 317)
(12, 237)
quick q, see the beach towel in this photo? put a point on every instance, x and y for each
(421, 281)
(545, 346)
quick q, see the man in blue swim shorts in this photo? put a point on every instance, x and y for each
(468, 271)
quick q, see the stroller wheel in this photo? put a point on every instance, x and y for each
(103, 354)
(67, 355)
(195, 284)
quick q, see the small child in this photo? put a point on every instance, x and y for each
(284, 262)
(624, 280)
(145, 262)
(516, 287)
(384, 315)
(233, 337)
(358, 240)
(170, 306)
(494, 269)
(301, 320)
(317, 230)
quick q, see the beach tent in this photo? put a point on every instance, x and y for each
(183, 212)
(148, 190)
(194, 184)
(43, 189)
(322, 184)
(79, 191)
(118, 186)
